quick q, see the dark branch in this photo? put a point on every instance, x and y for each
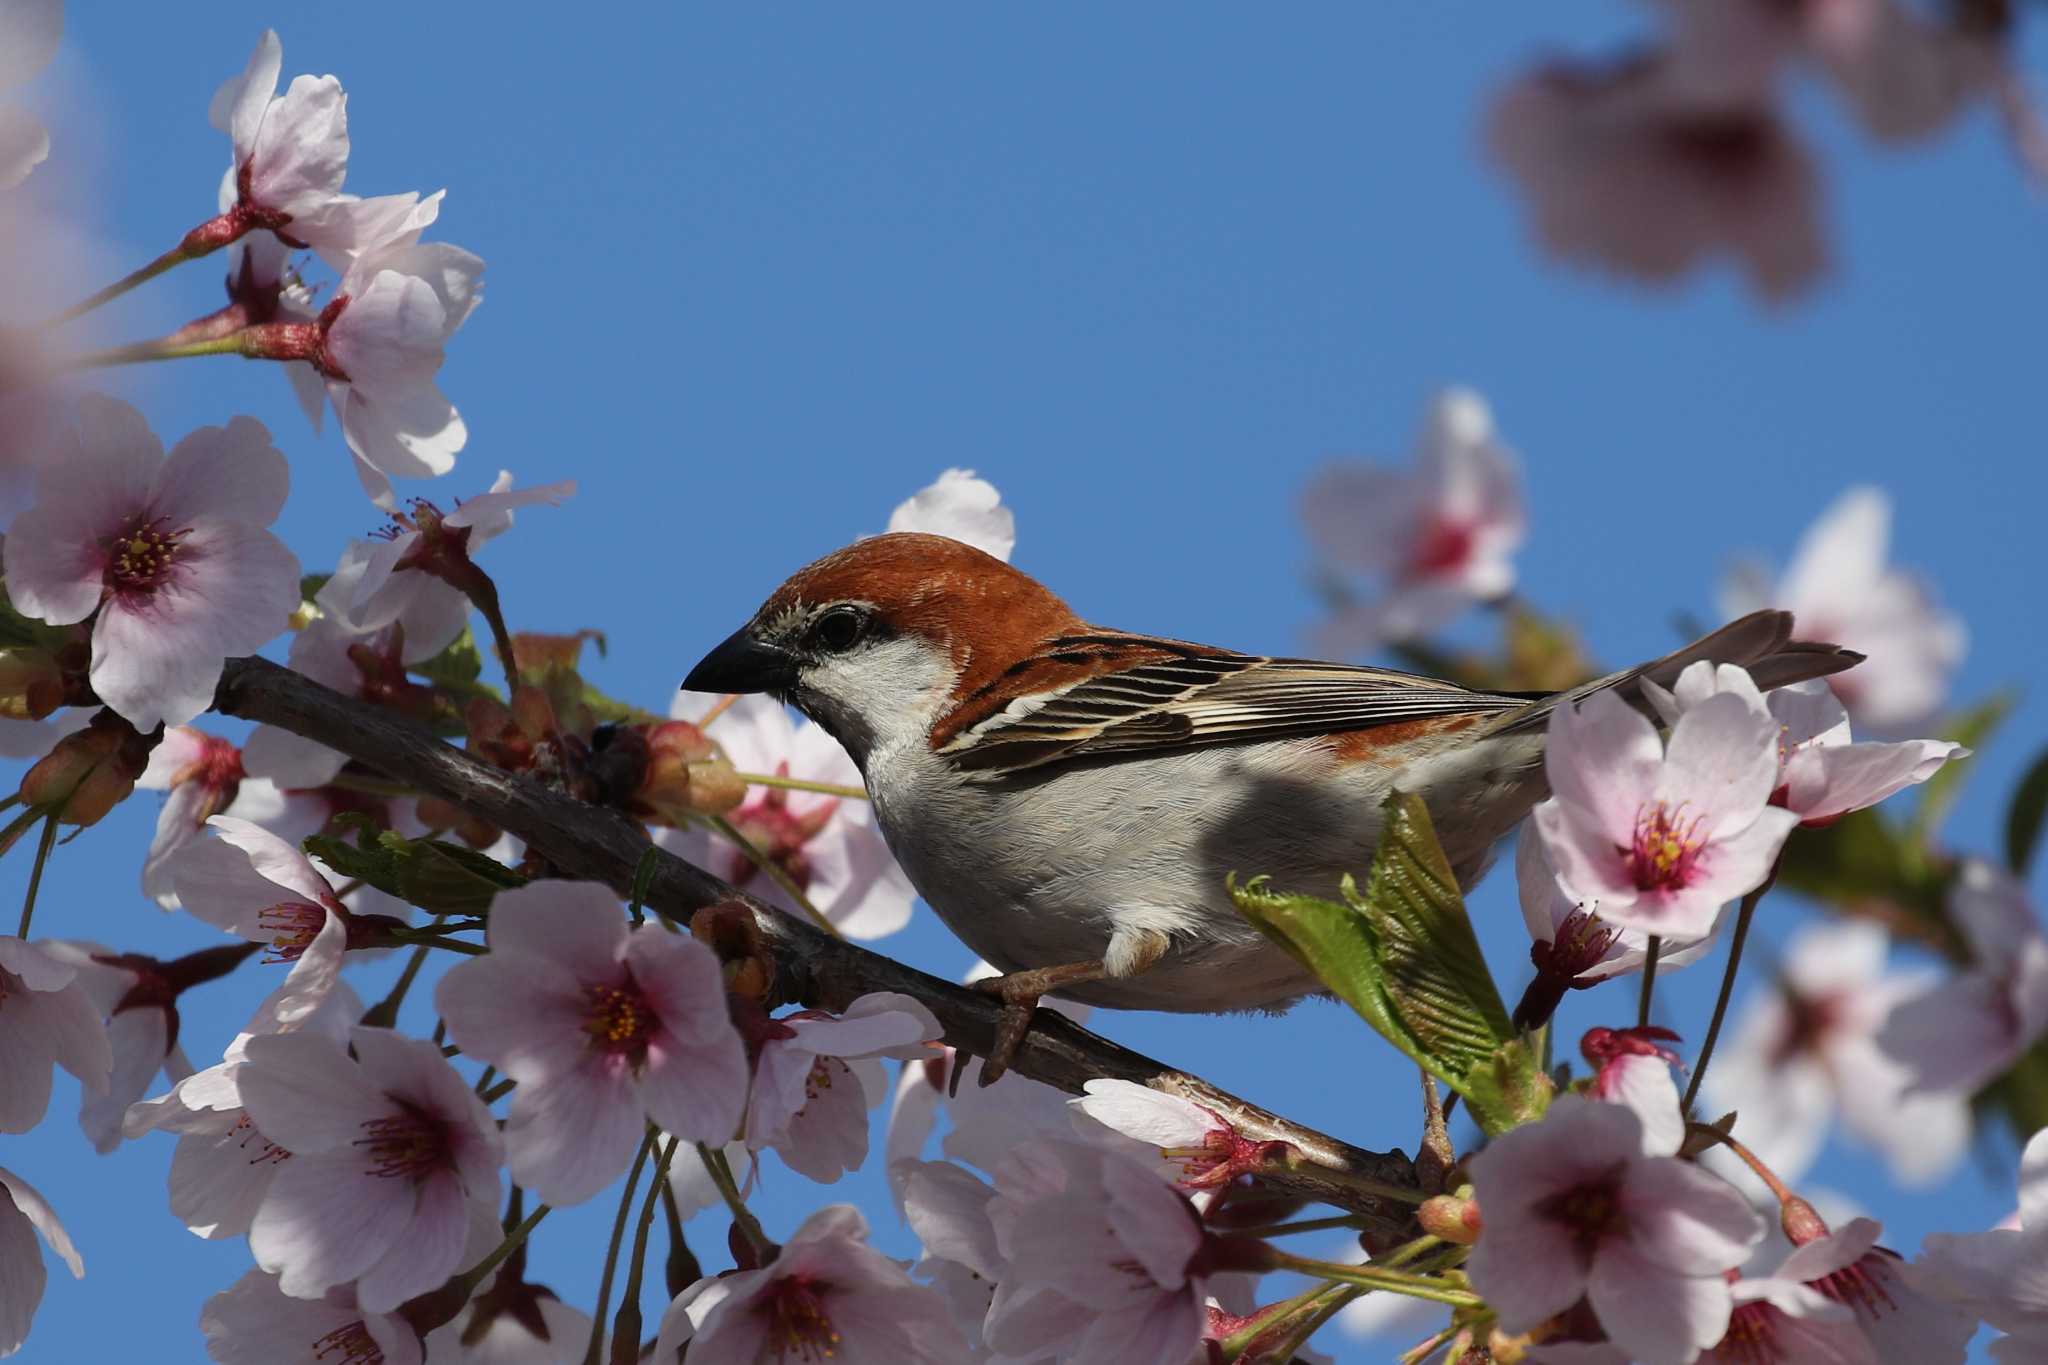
(592, 843)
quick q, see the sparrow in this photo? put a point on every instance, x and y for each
(1070, 799)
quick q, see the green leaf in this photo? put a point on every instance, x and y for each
(1434, 971)
(2024, 816)
(1336, 944)
(1508, 1089)
(1972, 729)
(310, 585)
(435, 875)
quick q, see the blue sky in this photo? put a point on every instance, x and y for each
(753, 280)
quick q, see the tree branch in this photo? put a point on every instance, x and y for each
(592, 843)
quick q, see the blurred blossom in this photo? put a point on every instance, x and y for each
(1662, 835)
(1960, 1035)
(1839, 589)
(1434, 539)
(47, 1019)
(2000, 1276)
(23, 1214)
(962, 506)
(1641, 168)
(29, 33)
(253, 1322)
(828, 1295)
(603, 1025)
(1808, 1046)
(1584, 1202)
(828, 846)
(171, 552)
(1822, 773)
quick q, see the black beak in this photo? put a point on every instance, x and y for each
(743, 664)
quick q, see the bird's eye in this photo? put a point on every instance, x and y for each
(839, 628)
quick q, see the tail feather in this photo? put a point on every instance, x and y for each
(1760, 642)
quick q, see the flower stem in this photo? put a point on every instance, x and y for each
(626, 1328)
(1649, 981)
(1777, 1187)
(718, 708)
(1407, 1251)
(729, 1190)
(515, 1237)
(775, 873)
(498, 1091)
(1741, 935)
(799, 784)
(384, 1014)
(1342, 1220)
(35, 876)
(134, 279)
(141, 352)
(611, 1253)
(1392, 1281)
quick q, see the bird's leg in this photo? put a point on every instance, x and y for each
(1129, 953)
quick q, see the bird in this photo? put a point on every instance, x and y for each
(1071, 800)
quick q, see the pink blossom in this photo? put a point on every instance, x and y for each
(2001, 1275)
(1840, 589)
(171, 554)
(1822, 773)
(137, 995)
(1782, 1322)
(290, 157)
(808, 1101)
(1638, 168)
(603, 1025)
(828, 1294)
(1663, 836)
(47, 1019)
(960, 505)
(254, 1322)
(1098, 1259)
(829, 846)
(29, 33)
(222, 1166)
(23, 1214)
(399, 578)
(1632, 1066)
(204, 775)
(1571, 947)
(1809, 1045)
(392, 1157)
(1887, 1306)
(1439, 537)
(947, 1206)
(1955, 1037)
(1199, 1151)
(1573, 1208)
(256, 886)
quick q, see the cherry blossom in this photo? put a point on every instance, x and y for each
(23, 1214)
(170, 552)
(1887, 1306)
(370, 665)
(2001, 1275)
(1440, 536)
(1783, 1322)
(254, 1322)
(828, 846)
(947, 1206)
(1199, 1151)
(1840, 589)
(256, 886)
(962, 506)
(828, 1294)
(404, 576)
(138, 997)
(222, 1166)
(1822, 772)
(1663, 836)
(1640, 168)
(47, 1019)
(1632, 1066)
(29, 33)
(204, 775)
(290, 157)
(1810, 1045)
(809, 1100)
(397, 1113)
(1958, 1035)
(1571, 947)
(1576, 1205)
(512, 1323)
(603, 1025)
(1098, 1259)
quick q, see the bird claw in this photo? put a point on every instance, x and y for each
(1019, 993)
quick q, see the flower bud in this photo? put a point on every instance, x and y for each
(730, 930)
(1451, 1218)
(31, 684)
(686, 771)
(91, 771)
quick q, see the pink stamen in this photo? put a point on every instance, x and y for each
(292, 926)
(1665, 848)
(799, 1322)
(410, 1144)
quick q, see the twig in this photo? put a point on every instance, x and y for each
(584, 841)
(1741, 935)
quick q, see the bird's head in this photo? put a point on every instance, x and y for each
(882, 640)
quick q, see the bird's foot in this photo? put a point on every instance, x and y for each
(1019, 993)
